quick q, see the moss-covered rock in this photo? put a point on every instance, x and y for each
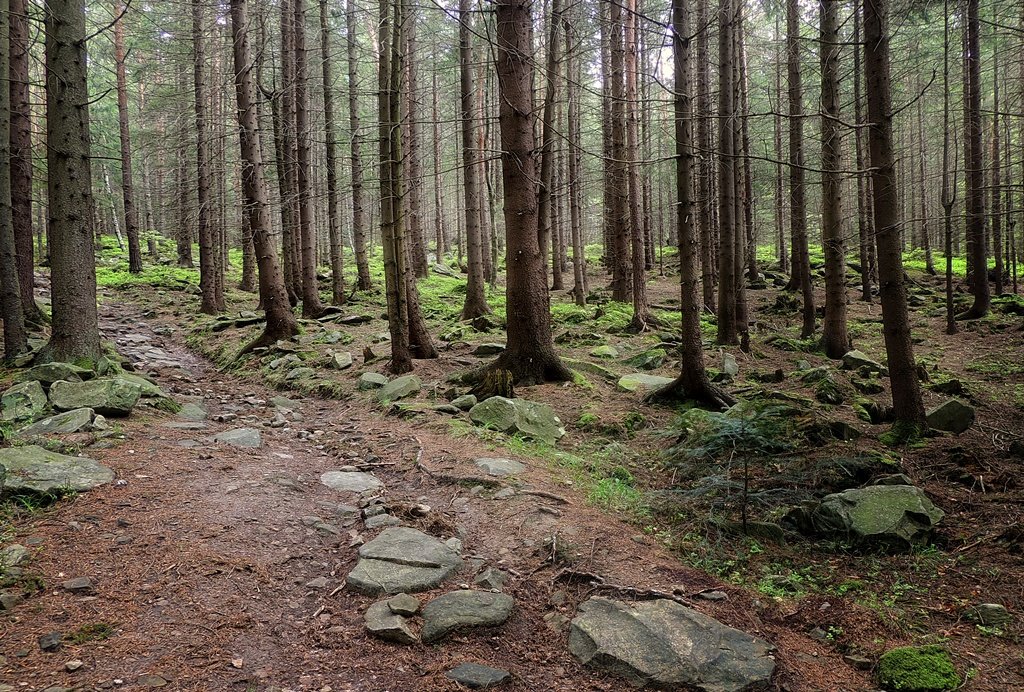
(917, 669)
(24, 401)
(893, 516)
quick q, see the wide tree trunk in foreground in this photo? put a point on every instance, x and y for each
(281, 322)
(908, 406)
(530, 351)
(15, 339)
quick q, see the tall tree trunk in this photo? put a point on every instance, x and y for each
(835, 335)
(908, 406)
(11, 309)
(207, 252)
(997, 183)
(865, 227)
(476, 301)
(780, 207)
(281, 322)
(572, 82)
(413, 164)
(641, 313)
(618, 183)
(330, 133)
(976, 246)
(359, 221)
(530, 352)
(726, 175)
(801, 263)
(131, 217)
(21, 158)
(75, 336)
(547, 144)
(706, 166)
(948, 195)
(440, 240)
(922, 188)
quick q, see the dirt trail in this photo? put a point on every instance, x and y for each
(222, 568)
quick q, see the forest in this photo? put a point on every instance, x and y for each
(521, 344)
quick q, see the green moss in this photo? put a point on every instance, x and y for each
(901, 433)
(917, 669)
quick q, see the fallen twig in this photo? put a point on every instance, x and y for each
(598, 583)
(545, 494)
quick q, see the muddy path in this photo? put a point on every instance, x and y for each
(217, 567)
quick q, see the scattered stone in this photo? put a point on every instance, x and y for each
(382, 622)
(152, 681)
(605, 351)
(48, 373)
(464, 402)
(404, 604)
(894, 516)
(32, 468)
(505, 494)
(317, 583)
(240, 437)
(73, 665)
(530, 419)
(648, 360)
(403, 560)
(477, 677)
(284, 361)
(952, 387)
(299, 373)
(61, 424)
(635, 381)
(355, 319)
(729, 365)
(371, 380)
(51, 641)
(12, 556)
(858, 662)
(23, 401)
(382, 521)
(556, 622)
(484, 350)
(491, 578)
(350, 481)
(499, 467)
(448, 408)
(713, 595)
(341, 361)
(855, 360)
(952, 416)
(150, 390)
(589, 368)
(399, 388)
(78, 585)
(461, 609)
(917, 669)
(113, 397)
(9, 600)
(665, 644)
(988, 614)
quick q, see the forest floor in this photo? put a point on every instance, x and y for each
(215, 567)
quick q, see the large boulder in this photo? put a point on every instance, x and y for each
(649, 360)
(403, 560)
(151, 392)
(463, 609)
(855, 360)
(48, 373)
(23, 401)
(635, 381)
(61, 424)
(530, 419)
(894, 516)
(113, 397)
(32, 468)
(666, 645)
(953, 416)
(399, 388)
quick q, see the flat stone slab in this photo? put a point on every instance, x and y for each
(382, 622)
(633, 382)
(62, 423)
(240, 437)
(399, 388)
(477, 677)
(32, 468)
(350, 481)
(667, 645)
(499, 467)
(461, 609)
(403, 560)
(192, 411)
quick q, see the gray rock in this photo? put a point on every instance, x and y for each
(340, 361)
(895, 516)
(148, 388)
(284, 361)
(605, 351)
(12, 556)
(491, 578)
(371, 380)
(649, 360)
(403, 560)
(113, 397)
(399, 388)
(193, 412)
(383, 623)
(78, 585)
(464, 402)
(63, 423)
(528, 418)
(299, 373)
(317, 583)
(855, 360)
(633, 382)
(461, 609)
(32, 468)
(240, 437)
(499, 467)
(664, 644)
(404, 604)
(350, 481)
(477, 677)
(448, 408)
(488, 350)
(504, 494)
(381, 521)
(589, 368)
(23, 401)
(729, 365)
(952, 416)
(48, 373)
(51, 641)
(988, 614)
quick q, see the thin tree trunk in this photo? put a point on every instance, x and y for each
(801, 263)
(207, 251)
(476, 301)
(440, 241)
(337, 246)
(922, 189)
(865, 229)
(705, 175)
(948, 196)
(572, 83)
(131, 217)
(359, 222)
(726, 176)
(641, 313)
(618, 183)
(976, 246)
(21, 158)
(997, 206)
(547, 153)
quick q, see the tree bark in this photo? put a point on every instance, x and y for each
(281, 322)
(997, 183)
(131, 217)
(337, 246)
(75, 335)
(705, 175)
(530, 352)
(726, 176)
(573, 79)
(547, 137)
(865, 227)
(617, 183)
(207, 251)
(976, 246)
(641, 313)
(908, 406)
(948, 195)
(359, 221)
